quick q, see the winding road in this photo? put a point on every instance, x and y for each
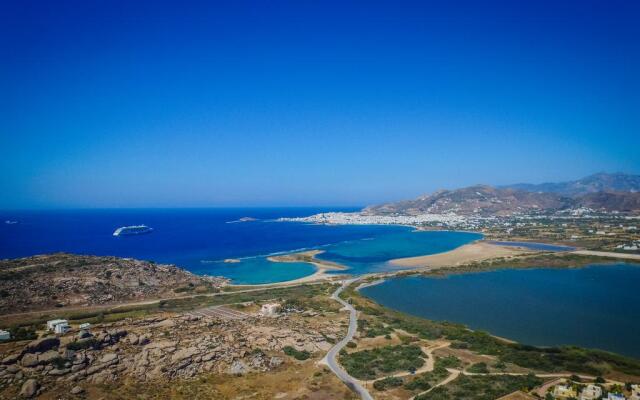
(330, 358)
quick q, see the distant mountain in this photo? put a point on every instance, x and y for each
(611, 201)
(608, 192)
(479, 199)
(601, 182)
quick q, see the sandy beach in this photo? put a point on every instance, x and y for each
(477, 251)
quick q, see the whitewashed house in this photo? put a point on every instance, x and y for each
(84, 326)
(5, 335)
(616, 396)
(51, 325)
(564, 392)
(270, 309)
(61, 328)
(591, 392)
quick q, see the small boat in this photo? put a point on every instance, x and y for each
(132, 230)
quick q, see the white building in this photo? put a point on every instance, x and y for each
(85, 326)
(5, 335)
(564, 392)
(270, 309)
(615, 396)
(635, 392)
(591, 392)
(61, 328)
(51, 325)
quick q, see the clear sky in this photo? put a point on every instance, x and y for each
(136, 104)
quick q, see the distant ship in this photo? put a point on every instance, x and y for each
(9, 222)
(132, 230)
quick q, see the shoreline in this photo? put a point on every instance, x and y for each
(472, 252)
(308, 257)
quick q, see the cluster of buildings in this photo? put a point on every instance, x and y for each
(477, 222)
(57, 326)
(592, 392)
(61, 326)
(631, 246)
(338, 218)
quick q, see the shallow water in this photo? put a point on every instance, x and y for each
(372, 254)
(595, 307)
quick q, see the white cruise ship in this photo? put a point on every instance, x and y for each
(132, 230)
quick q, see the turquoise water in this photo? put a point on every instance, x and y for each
(366, 255)
(256, 270)
(372, 254)
(594, 307)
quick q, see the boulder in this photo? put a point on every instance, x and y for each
(29, 360)
(238, 368)
(133, 339)
(77, 390)
(275, 362)
(48, 357)
(59, 372)
(42, 345)
(11, 359)
(108, 357)
(29, 388)
(184, 354)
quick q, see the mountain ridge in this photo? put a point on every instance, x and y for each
(599, 192)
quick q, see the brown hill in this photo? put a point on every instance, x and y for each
(61, 280)
(479, 199)
(486, 200)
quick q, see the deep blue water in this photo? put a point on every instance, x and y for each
(536, 246)
(594, 307)
(200, 239)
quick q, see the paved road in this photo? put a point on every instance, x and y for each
(330, 358)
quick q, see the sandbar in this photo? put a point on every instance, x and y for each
(477, 251)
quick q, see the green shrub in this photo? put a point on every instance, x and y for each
(385, 383)
(478, 368)
(298, 355)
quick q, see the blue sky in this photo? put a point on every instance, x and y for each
(187, 104)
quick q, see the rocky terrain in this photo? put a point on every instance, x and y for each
(160, 348)
(63, 280)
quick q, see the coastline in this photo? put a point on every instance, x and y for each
(320, 273)
(472, 252)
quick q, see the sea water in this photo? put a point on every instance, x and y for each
(199, 240)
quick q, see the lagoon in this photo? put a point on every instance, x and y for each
(594, 307)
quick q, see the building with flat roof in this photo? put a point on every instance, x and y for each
(4, 335)
(564, 392)
(51, 325)
(591, 392)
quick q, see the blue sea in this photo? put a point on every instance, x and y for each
(593, 307)
(199, 240)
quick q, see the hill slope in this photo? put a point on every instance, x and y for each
(60, 280)
(601, 182)
(486, 201)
